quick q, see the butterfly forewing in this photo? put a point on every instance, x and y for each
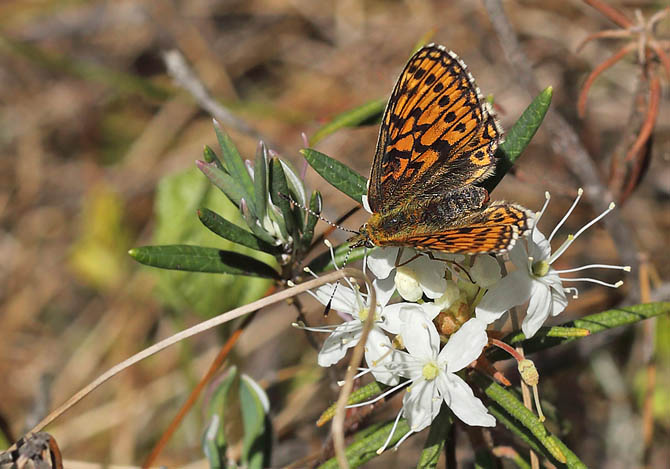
(437, 134)
(437, 139)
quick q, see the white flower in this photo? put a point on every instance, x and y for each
(355, 307)
(536, 279)
(432, 377)
(415, 275)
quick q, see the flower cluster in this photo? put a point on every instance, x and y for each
(440, 326)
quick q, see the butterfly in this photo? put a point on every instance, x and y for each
(437, 140)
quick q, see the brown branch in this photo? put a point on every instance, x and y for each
(583, 94)
(608, 34)
(663, 57)
(611, 13)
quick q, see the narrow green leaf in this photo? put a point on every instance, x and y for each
(212, 445)
(315, 205)
(201, 259)
(234, 163)
(257, 440)
(593, 323)
(278, 192)
(363, 393)
(210, 157)
(439, 430)
(519, 136)
(261, 179)
(368, 113)
(338, 174)
(324, 262)
(364, 449)
(515, 408)
(223, 181)
(230, 231)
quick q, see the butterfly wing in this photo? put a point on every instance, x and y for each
(437, 133)
(492, 229)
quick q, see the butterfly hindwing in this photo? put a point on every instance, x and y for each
(493, 229)
(437, 134)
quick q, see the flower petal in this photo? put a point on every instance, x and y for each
(395, 316)
(462, 401)
(421, 404)
(344, 337)
(384, 289)
(485, 271)
(539, 308)
(420, 338)
(465, 346)
(430, 274)
(512, 290)
(380, 357)
(381, 261)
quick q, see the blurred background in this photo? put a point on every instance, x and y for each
(97, 151)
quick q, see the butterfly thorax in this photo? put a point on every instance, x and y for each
(383, 229)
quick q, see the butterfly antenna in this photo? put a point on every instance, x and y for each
(346, 259)
(317, 215)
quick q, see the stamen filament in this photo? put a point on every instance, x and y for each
(595, 266)
(567, 214)
(593, 280)
(572, 238)
(547, 198)
(381, 396)
(388, 440)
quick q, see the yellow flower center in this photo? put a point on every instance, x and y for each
(540, 268)
(430, 371)
(363, 313)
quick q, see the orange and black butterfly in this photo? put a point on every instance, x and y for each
(437, 141)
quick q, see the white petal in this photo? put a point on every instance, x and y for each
(381, 261)
(465, 346)
(485, 271)
(512, 290)
(379, 357)
(420, 338)
(345, 299)
(462, 401)
(407, 283)
(396, 315)
(430, 274)
(421, 404)
(539, 308)
(540, 247)
(344, 337)
(558, 301)
(384, 289)
(519, 253)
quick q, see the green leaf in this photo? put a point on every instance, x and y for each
(315, 205)
(593, 323)
(361, 394)
(337, 174)
(278, 193)
(210, 157)
(230, 231)
(368, 113)
(364, 449)
(513, 407)
(324, 262)
(235, 164)
(519, 136)
(439, 430)
(223, 181)
(261, 179)
(201, 259)
(257, 441)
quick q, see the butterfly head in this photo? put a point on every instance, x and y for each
(362, 238)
